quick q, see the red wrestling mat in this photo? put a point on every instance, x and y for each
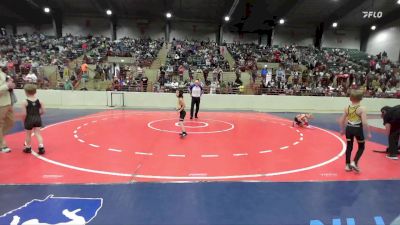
(123, 146)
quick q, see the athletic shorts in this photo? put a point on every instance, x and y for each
(182, 115)
(32, 122)
(355, 131)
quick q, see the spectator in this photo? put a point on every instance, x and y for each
(264, 72)
(181, 71)
(31, 78)
(144, 81)
(6, 110)
(205, 74)
(68, 85)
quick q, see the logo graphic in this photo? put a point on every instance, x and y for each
(372, 14)
(54, 211)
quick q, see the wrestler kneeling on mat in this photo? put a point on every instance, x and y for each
(302, 120)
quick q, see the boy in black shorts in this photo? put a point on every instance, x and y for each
(32, 110)
(354, 120)
(181, 111)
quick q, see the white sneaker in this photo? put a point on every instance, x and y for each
(5, 150)
(393, 157)
(348, 168)
(354, 167)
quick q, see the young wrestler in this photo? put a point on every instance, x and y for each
(182, 112)
(32, 111)
(302, 120)
(352, 123)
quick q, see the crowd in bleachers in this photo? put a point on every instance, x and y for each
(144, 50)
(192, 56)
(310, 71)
(296, 70)
(23, 56)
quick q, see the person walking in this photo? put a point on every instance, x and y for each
(353, 124)
(196, 91)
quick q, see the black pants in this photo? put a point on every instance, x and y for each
(195, 101)
(205, 77)
(394, 141)
(351, 133)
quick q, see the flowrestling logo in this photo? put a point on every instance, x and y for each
(372, 14)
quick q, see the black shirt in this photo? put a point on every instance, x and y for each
(392, 116)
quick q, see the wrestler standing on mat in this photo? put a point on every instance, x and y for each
(181, 111)
(354, 120)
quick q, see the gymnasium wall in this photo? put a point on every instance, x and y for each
(230, 37)
(140, 28)
(80, 26)
(29, 29)
(386, 39)
(56, 98)
(333, 38)
(193, 31)
(285, 35)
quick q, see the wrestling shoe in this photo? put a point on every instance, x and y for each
(5, 150)
(392, 157)
(41, 150)
(355, 167)
(27, 149)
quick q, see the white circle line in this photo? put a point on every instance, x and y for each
(143, 153)
(254, 118)
(265, 151)
(193, 178)
(209, 156)
(114, 150)
(193, 127)
(240, 154)
(191, 132)
(178, 156)
(95, 146)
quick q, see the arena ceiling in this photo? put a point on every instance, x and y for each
(246, 15)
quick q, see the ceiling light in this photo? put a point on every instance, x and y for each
(281, 21)
(373, 27)
(46, 9)
(227, 18)
(168, 15)
(335, 24)
(109, 12)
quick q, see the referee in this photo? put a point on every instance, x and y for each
(391, 120)
(196, 90)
